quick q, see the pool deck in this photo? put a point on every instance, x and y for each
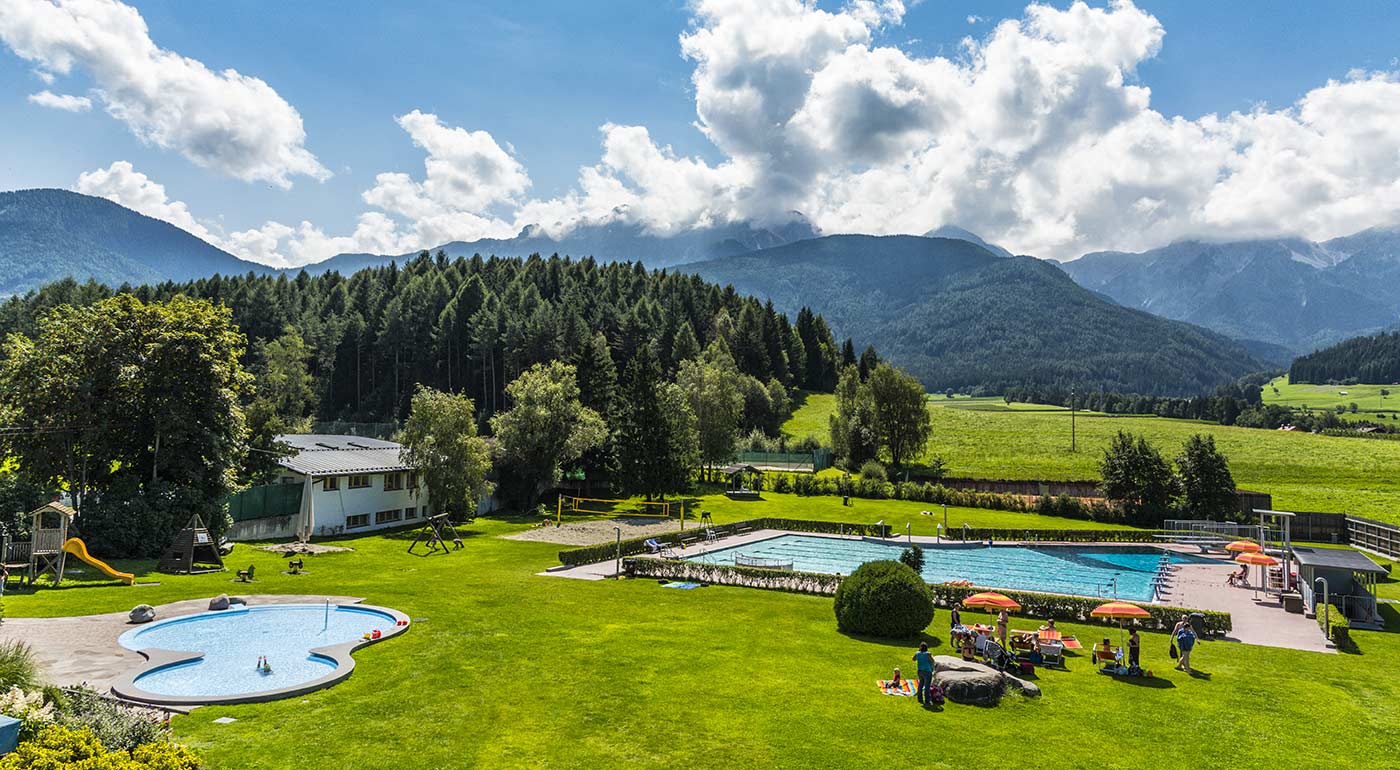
(1257, 618)
(75, 650)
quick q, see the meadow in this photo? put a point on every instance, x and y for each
(1370, 403)
(507, 668)
(987, 438)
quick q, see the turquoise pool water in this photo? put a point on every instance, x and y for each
(1124, 572)
(232, 640)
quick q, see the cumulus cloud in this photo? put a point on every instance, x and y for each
(122, 183)
(65, 102)
(227, 121)
(1038, 135)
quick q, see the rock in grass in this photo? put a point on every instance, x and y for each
(974, 688)
(142, 613)
(219, 602)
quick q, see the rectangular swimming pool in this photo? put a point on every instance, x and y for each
(1124, 572)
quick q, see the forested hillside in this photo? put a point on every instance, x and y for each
(474, 325)
(46, 235)
(1374, 359)
(958, 316)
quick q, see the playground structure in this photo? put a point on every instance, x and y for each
(48, 550)
(436, 533)
(192, 551)
(593, 506)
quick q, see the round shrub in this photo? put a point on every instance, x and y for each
(873, 470)
(884, 599)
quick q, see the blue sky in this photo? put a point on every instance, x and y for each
(541, 79)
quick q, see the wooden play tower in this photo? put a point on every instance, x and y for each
(50, 531)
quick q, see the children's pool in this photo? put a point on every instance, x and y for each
(233, 640)
(1123, 572)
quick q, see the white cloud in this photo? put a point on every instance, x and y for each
(65, 102)
(121, 183)
(230, 122)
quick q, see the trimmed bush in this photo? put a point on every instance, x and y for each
(873, 470)
(884, 599)
(1340, 632)
(596, 553)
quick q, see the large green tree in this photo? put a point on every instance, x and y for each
(855, 437)
(1207, 487)
(133, 407)
(711, 385)
(284, 401)
(1137, 479)
(901, 417)
(657, 440)
(545, 428)
(440, 440)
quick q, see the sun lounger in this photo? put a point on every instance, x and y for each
(657, 548)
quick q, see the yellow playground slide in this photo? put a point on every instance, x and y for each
(78, 548)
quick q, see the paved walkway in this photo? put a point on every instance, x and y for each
(84, 649)
(1256, 618)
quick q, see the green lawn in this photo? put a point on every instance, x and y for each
(985, 438)
(504, 668)
(1370, 404)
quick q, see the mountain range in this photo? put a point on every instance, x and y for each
(617, 240)
(1290, 292)
(958, 315)
(46, 235)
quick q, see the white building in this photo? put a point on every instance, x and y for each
(355, 484)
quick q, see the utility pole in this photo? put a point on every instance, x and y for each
(1073, 439)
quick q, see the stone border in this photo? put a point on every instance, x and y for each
(340, 654)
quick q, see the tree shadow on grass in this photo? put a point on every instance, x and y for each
(1149, 682)
(909, 644)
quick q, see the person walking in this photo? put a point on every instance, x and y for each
(925, 670)
(1185, 642)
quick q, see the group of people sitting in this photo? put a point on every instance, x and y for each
(1239, 579)
(1041, 647)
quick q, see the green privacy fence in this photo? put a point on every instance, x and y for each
(265, 501)
(817, 460)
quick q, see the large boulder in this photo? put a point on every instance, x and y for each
(142, 613)
(974, 688)
(952, 664)
(219, 602)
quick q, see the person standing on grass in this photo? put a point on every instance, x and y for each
(925, 668)
(1134, 649)
(955, 617)
(1003, 620)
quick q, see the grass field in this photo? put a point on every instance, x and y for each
(1370, 404)
(986, 438)
(505, 668)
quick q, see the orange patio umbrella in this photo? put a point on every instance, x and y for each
(1121, 611)
(991, 600)
(1244, 546)
(1262, 559)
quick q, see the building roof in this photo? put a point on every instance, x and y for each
(325, 441)
(321, 455)
(1337, 558)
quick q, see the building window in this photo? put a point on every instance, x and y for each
(410, 513)
(358, 520)
(387, 517)
(413, 479)
(359, 482)
(331, 484)
(393, 482)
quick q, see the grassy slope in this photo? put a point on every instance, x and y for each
(504, 668)
(1369, 403)
(1303, 472)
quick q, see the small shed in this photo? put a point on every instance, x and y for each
(1350, 579)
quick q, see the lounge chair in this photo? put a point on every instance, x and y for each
(658, 548)
(1052, 652)
(1107, 654)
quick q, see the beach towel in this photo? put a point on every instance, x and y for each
(682, 586)
(905, 687)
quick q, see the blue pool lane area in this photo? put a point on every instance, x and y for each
(1105, 571)
(233, 640)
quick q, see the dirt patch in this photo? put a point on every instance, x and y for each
(598, 531)
(303, 549)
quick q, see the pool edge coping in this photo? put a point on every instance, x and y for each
(341, 654)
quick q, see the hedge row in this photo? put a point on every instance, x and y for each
(978, 534)
(1340, 633)
(1072, 608)
(605, 551)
